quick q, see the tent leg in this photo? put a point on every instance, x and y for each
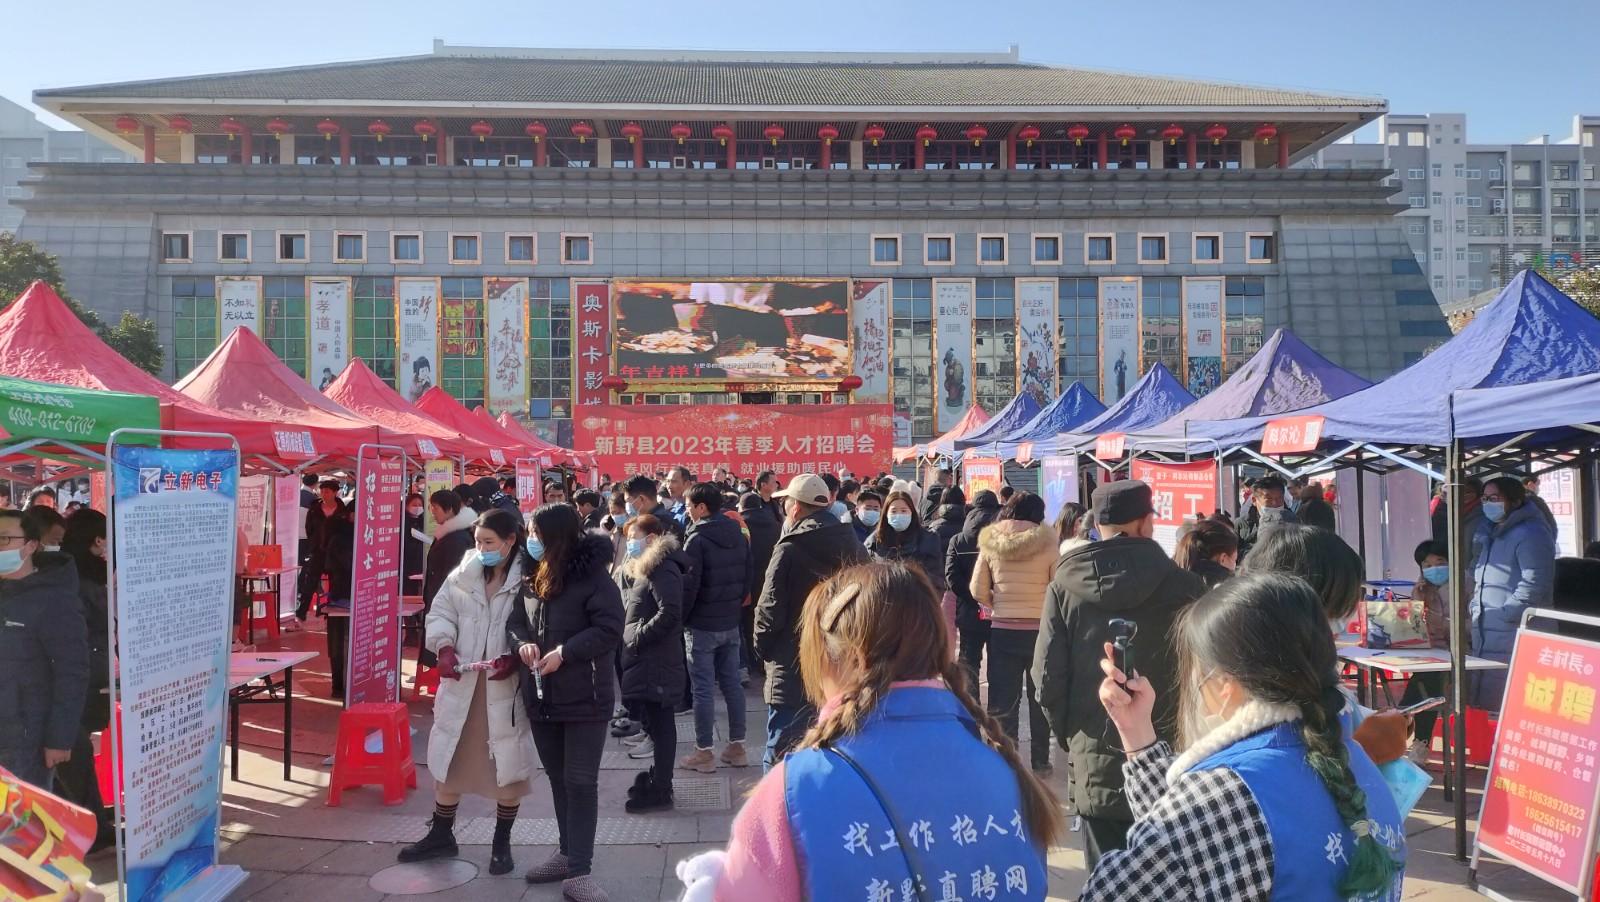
(1458, 643)
(1361, 514)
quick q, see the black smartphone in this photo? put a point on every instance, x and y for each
(1122, 633)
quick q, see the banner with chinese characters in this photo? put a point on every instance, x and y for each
(1539, 804)
(869, 332)
(438, 476)
(288, 528)
(507, 330)
(1036, 338)
(373, 663)
(1202, 333)
(1119, 337)
(1559, 489)
(982, 474)
(745, 438)
(417, 307)
(592, 347)
(1181, 492)
(529, 491)
(238, 304)
(952, 351)
(1058, 484)
(330, 329)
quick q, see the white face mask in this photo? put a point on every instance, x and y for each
(1208, 721)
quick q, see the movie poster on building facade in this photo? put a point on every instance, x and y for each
(507, 330)
(746, 439)
(238, 304)
(592, 348)
(330, 329)
(1202, 333)
(952, 351)
(1119, 337)
(869, 333)
(1036, 338)
(373, 662)
(418, 311)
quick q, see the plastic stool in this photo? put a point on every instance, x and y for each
(390, 767)
(1480, 734)
(427, 678)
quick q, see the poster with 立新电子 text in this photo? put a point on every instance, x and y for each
(373, 662)
(869, 334)
(417, 314)
(174, 526)
(329, 329)
(1179, 492)
(1119, 337)
(1036, 338)
(1202, 333)
(238, 304)
(506, 327)
(952, 351)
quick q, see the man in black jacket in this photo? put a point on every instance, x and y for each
(1124, 576)
(719, 557)
(767, 486)
(452, 540)
(932, 495)
(642, 499)
(814, 546)
(44, 657)
(960, 559)
(319, 523)
(1268, 510)
(763, 528)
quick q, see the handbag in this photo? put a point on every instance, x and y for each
(906, 848)
(1394, 623)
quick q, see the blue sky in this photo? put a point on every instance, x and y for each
(1515, 75)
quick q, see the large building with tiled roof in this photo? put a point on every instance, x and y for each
(743, 217)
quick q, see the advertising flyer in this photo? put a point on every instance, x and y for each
(374, 658)
(1181, 491)
(952, 351)
(1119, 337)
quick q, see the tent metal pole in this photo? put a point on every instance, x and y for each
(1458, 643)
(1408, 464)
(1269, 462)
(1485, 455)
(1361, 512)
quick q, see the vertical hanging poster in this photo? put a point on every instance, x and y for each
(438, 476)
(507, 328)
(330, 329)
(238, 304)
(374, 656)
(869, 333)
(952, 351)
(592, 350)
(418, 311)
(1036, 338)
(1202, 333)
(1119, 337)
(1058, 484)
(288, 519)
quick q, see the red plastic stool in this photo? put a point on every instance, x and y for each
(391, 767)
(104, 769)
(427, 678)
(1480, 734)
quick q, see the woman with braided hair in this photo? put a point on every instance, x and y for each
(1267, 800)
(904, 787)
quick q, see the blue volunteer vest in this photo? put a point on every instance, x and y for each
(1311, 847)
(956, 799)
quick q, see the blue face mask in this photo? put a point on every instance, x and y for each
(10, 560)
(899, 522)
(839, 509)
(635, 547)
(1494, 510)
(630, 510)
(491, 558)
(868, 517)
(535, 548)
(1438, 576)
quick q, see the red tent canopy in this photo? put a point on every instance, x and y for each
(243, 377)
(556, 455)
(360, 390)
(437, 404)
(945, 445)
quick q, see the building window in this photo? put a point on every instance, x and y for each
(406, 247)
(350, 247)
(939, 250)
(1244, 319)
(1046, 249)
(1438, 282)
(1414, 173)
(464, 249)
(1436, 198)
(1100, 249)
(194, 321)
(1263, 248)
(1078, 333)
(1416, 139)
(991, 249)
(1561, 172)
(1416, 228)
(292, 247)
(1394, 139)
(519, 249)
(1524, 172)
(1438, 255)
(1561, 200)
(233, 247)
(1438, 170)
(461, 368)
(1461, 227)
(175, 247)
(1474, 284)
(1588, 172)
(1474, 173)
(1461, 255)
(577, 249)
(1522, 200)
(1207, 248)
(885, 250)
(1417, 201)
(1461, 282)
(1474, 202)
(372, 325)
(1460, 170)
(1161, 324)
(1460, 199)
(1494, 174)
(995, 334)
(1438, 227)
(1475, 257)
(550, 349)
(911, 329)
(283, 319)
(1152, 248)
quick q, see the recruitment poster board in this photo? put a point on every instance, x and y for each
(1202, 333)
(869, 338)
(952, 351)
(529, 492)
(1559, 489)
(417, 322)
(1036, 338)
(1058, 484)
(330, 329)
(746, 438)
(1119, 337)
(373, 664)
(288, 519)
(982, 473)
(507, 331)
(1180, 492)
(174, 527)
(1540, 810)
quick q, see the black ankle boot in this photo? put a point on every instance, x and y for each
(657, 796)
(439, 843)
(500, 854)
(641, 783)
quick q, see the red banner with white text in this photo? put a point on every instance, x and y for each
(591, 348)
(745, 438)
(1180, 492)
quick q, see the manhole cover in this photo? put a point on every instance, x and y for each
(423, 877)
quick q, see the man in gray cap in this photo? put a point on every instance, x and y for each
(1124, 576)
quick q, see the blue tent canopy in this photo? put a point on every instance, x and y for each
(1530, 333)
(1550, 410)
(1076, 406)
(1014, 415)
(1155, 398)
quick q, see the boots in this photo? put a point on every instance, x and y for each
(641, 783)
(439, 843)
(654, 795)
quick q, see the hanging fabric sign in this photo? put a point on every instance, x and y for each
(330, 329)
(507, 329)
(593, 346)
(869, 331)
(1202, 333)
(418, 301)
(1036, 338)
(1119, 337)
(238, 304)
(952, 350)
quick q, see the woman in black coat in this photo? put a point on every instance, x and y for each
(654, 671)
(85, 541)
(565, 632)
(900, 536)
(947, 520)
(414, 552)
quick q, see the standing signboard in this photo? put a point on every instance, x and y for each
(1202, 333)
(869, 334)
(438, 476)
(528, 490)
(174, 527)
(288, 523)
(982, 473)
(417, 315)
(952, 351)
(1119, 337)
(507, 331)
(1036, 338)
(373, 661)
(1559, 489)
(1180, 492)
(1058, 484)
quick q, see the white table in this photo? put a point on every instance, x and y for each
(244, 669)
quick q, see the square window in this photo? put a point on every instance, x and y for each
(464, 249)
(1263, 249)
(1437, 169)
(1100, 249)
(1438, 255)
(1152, 248)
(1414, 173)
(406, 247)
(234, 247)
(1417, 201)
(1436, 198)
(1207, 248)
(175, 247)
(1438, 281)
(291, 247)
(885, 250)
(519, 248)
(1047, 249)
(1438, 227)
(939, 250)
(991, 249)
(349, 247)
(577, 249)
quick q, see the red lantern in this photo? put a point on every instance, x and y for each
(976, 133)
(377, 129)
(127, 124)
(1216, 133)
(827, 133)
(180, 124)
(774, 133)
(633, 131)
(583, 131)
(1267, 132)
(536, 131)
(874, 133)
(1077, 133)
(1029, 134)
(723, 133)
(425, 129)
(614, 383)
(1172, 133)
(927, 134)
(232, 127)
(681, 131)
(482, 129)
(329, 128)
(850, 383)
(1125, 133)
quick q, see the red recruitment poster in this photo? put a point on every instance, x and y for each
(528, 496)
(1539, 805)
(746, 438)
(1181, 491)
(373, 663)
(982, 473)
(592, 347)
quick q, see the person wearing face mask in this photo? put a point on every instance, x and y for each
(1433, 590)
(719, 578)
(52, 526)
(642, 498)
(869, 511)
(1513, 569)
(1210, 549)
(1268, 799)
(44, 653)
(85, 543)
(414, 553)
(653, 666)
(452, 542)
(900, 536)
(1268, 512)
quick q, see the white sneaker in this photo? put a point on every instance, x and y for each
(645, 749)
(636, 739)
(1419, 751)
